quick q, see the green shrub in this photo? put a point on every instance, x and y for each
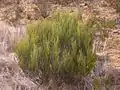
(62, 45)
(108, 24)
(118, 5)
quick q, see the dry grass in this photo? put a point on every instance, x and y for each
(11, 75)
(115, 4)
(8, 36)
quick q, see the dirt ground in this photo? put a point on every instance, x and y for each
(13, 19)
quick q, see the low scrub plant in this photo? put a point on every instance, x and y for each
(118, 5)
(61, 45)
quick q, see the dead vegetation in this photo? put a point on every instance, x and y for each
(28, 10)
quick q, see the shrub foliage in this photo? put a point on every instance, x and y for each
(118, 5)
(62, 45)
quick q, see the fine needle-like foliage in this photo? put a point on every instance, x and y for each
(61, 45)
